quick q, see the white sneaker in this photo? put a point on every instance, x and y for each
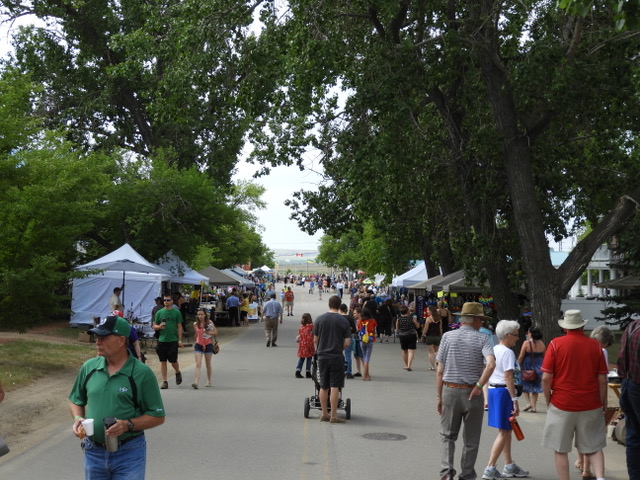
(514, 471)
(492, 472)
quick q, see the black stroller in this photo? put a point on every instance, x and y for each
(314, 401)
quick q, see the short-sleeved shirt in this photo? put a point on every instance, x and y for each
(114, 302)
(172, 317)
(106, 395)
(331, 329)
(505, 361)
(575, 361)
(232, 301)
(272, 309)
(463, 353)
(244, 305)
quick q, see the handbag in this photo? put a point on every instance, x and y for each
(4, 448)
(216, 347)
(530, 375)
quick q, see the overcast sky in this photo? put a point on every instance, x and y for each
(280, 232)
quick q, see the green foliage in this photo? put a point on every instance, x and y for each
(47, 198)
(340, 252)
(56, 198)
(625, 311)
(176, 77)
(626, 17)
(471, 131)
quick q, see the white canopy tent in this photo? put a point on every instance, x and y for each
(142, 281)
(243, 281)
(180, 271)
(413, 276)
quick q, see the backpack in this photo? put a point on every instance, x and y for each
(363, 333)
(288, 296)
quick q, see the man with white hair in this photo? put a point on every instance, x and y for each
(465, 363)
(574, 381)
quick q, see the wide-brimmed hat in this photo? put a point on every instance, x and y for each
(472, 309)
(572, 319)
(112, 325)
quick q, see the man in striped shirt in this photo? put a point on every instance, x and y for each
(465, 363)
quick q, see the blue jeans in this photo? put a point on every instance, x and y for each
(301, 361)
(630, 403)
(127, 463)
(348, 359)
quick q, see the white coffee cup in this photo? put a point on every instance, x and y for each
(88, 426)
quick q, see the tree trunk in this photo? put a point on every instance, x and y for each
(427, 255)
(547, 286)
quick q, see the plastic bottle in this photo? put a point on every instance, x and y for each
(516, 428)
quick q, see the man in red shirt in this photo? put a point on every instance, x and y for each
(288, 301)
(574, 380)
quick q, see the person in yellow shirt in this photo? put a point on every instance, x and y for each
(244, 310)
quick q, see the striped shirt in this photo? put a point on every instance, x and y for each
(629, 356)
(463, 353)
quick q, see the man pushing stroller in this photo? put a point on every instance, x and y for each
(331, 335)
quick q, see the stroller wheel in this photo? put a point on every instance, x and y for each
(347, 409)
(306, 407)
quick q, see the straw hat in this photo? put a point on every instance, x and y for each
(572, 319)
(472, 309)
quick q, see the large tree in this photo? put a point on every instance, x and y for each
(520, 120)
(47, 200)
(62, 205)
(176, 77)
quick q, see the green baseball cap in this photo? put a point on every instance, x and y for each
(112, 325)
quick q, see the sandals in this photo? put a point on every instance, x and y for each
(527, 409)
(585, 475)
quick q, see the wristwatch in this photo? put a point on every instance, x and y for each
(130, 425)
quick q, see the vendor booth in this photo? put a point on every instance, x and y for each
(181, 273)
(142, 281)
(408, 279)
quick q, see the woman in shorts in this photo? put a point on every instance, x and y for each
(364, 318)
(407, 328)
(205, 335)
(503, 403)
(432, 335)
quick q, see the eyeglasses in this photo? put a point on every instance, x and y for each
(168, 300)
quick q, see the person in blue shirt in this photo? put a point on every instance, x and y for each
(233, 307)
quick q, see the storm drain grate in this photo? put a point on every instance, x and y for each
(387, 437)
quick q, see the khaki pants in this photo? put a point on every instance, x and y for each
(271, 329)
(456, 409)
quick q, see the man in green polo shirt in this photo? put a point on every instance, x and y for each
(115, 384)
(168, 321)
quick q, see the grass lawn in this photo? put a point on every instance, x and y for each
(24, 361)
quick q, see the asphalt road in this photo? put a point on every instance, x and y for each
(250, 425)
